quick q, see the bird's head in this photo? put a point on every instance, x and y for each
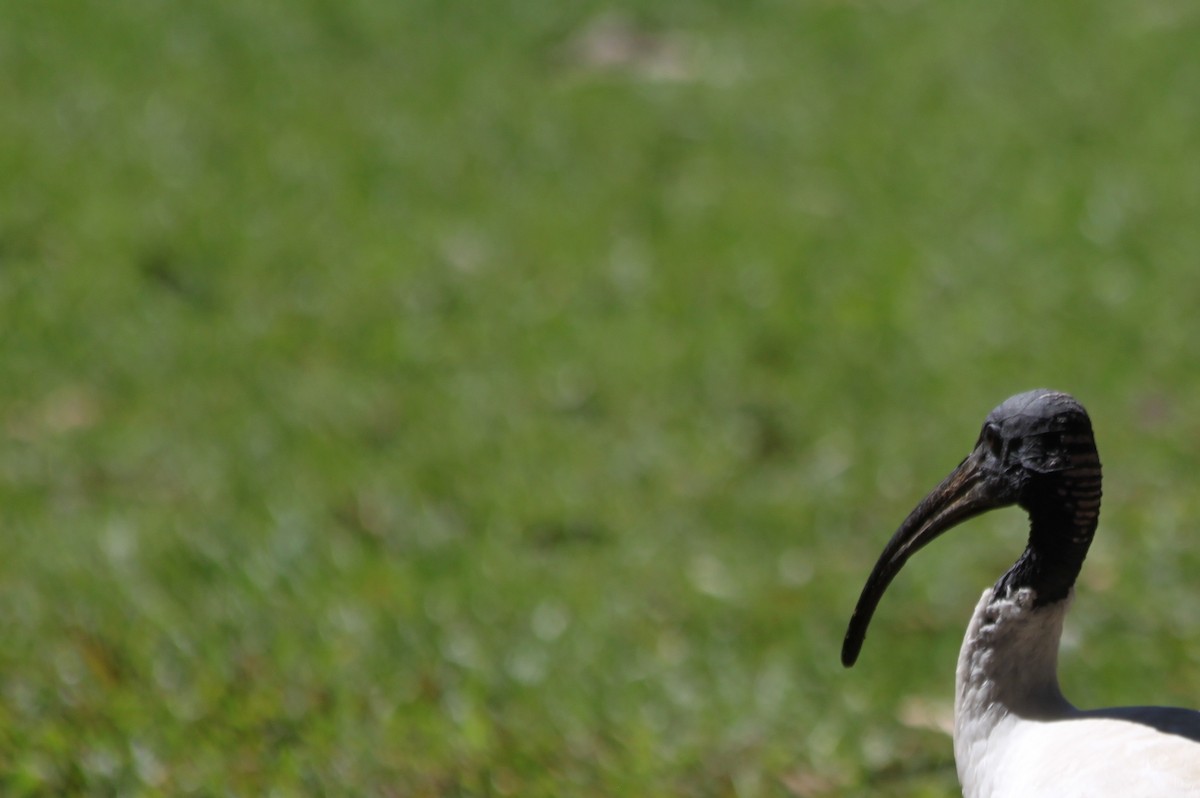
(1035, 450)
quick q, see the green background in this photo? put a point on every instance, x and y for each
(509, 398)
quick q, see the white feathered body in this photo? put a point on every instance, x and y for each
(1016, 736)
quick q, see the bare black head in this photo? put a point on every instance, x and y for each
(1035, 450)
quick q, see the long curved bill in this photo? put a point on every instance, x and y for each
(965, 493)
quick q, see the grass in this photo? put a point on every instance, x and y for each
(421, 399)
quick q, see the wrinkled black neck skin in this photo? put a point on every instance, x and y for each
(1060, 533)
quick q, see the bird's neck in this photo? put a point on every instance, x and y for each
(1007, 671)
(1062, 522)
(1008, 666)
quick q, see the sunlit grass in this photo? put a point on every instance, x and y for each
(430, 400)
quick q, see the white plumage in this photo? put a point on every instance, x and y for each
(1016, 736)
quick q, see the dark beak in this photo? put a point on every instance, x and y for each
(966, 493)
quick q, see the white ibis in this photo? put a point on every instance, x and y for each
(1015, 736)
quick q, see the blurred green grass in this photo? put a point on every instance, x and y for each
(426, 399)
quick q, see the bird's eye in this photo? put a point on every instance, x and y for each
(991, 439)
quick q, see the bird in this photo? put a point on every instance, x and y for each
(1015, 734)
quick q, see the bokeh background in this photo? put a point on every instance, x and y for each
(508, 399)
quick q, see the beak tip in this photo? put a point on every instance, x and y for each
(850, 650)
